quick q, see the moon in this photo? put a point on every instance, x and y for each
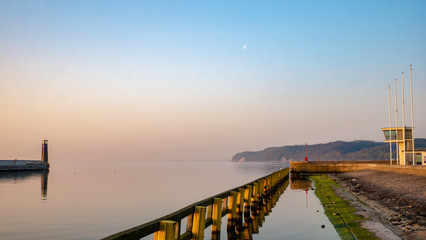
(245, 46)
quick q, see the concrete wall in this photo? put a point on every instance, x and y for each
(343, 166)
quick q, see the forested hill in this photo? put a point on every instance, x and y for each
(339, 150)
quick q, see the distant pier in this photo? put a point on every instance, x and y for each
(22, 165)
(27, 165)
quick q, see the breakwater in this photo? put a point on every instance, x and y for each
(246, 207)
(27, 165)
(22, 165)
(348, 166)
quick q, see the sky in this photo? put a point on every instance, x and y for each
(203, 80)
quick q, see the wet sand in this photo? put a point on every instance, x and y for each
(394, 203)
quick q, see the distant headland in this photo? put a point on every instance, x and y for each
(338, 150)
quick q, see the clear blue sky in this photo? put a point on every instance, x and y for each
(148, 80)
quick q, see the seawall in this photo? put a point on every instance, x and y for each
(347, 166)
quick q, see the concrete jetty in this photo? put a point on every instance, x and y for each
(302, 167)
(27, 165)
(22, 165)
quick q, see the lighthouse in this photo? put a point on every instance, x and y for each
(44, 153)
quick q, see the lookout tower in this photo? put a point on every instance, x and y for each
(403, 136)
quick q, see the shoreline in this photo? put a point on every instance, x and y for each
(392, 204)
(340, 212)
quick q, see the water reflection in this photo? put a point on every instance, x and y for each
(110, 199)
(249, 220)
(301, 182)
(44, 178)
(17, 177)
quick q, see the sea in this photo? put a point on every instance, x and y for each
(92, 199)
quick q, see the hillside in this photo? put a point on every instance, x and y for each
(339, 150)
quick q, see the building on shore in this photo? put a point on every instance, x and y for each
(406, 153)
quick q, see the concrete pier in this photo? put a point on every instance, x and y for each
(27, 165)
(22, 165)
(348, 166)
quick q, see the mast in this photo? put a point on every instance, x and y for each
(412, 118)
(396, 122)
(390, 130)
(403, 120)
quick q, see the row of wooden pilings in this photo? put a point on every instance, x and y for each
(246, 207)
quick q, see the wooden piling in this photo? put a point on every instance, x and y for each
(167, 231)
(248, 194)
(255, 191)
(240, 200)
(189, 221)
(269, 183)
(177, 230)
(216, 215)
(224, 204)
(232, 205)
(198, 223)
(261, 187)
(239, 229)
(254, 197)
(209, 212)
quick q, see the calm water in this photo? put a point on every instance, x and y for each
(91, 200)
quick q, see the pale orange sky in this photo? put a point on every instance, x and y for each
(143, 82)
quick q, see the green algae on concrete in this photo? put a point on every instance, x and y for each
(339, 212)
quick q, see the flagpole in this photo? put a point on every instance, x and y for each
(396, 123)
(412, 118)
(390, 130)
(403, 120)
